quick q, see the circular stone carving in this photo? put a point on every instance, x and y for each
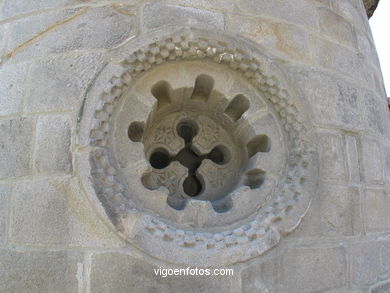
(198, 128)
(195, 149)
(210, 149)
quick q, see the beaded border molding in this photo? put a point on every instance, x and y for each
(99, 177)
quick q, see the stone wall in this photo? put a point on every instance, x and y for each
(53, 238)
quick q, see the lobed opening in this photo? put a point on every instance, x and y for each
(162, 91)
(203, 87)
(237, 107)
(259, 143)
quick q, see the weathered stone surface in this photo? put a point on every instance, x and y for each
(336, 27)
(373, 164)
(5, 192)
(12, 87)
(340, 210)
(62, 82)
(332, 156)
(382, 287)
(333, 102)
(377, 202)
(3, 32)
(377, 114)
(16, 146)
(262, 277)
(386, 151)
(310, 225)
(158, 14)
(352, 158)
(367, 48)
(55, 212)
(39, 271)
(351, 11)
(338, 58)
(71, 29)
(322, 3)
(313, 269)
(299, 12)
(385, 255)
(222, 5)
(11, 8)
(375, 75)
(34, 28)
(53, 144)
(283, 40)
(365, 262)
(335, 211)
(118, 272)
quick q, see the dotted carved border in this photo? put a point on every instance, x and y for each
(112, 193)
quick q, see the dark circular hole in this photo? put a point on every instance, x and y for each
(216, 155)
(159, 159)
(219, 155)
(187, 130)
(136, 131)
(192, 186)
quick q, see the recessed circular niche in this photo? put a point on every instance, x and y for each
(214, 144)
(207, 144)
(194, 148)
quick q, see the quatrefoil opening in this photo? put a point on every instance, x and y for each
(189, 158)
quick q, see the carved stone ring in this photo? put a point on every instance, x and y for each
(194, 147)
